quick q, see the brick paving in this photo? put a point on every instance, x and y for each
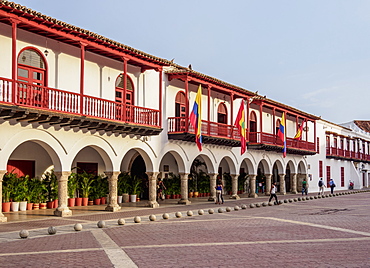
(330, 232)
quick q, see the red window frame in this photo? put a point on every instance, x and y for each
(328, 175)
(320, 169)
(342, 176)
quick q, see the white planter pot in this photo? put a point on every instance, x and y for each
(119, 199)
(15, 206)
(23, 206)
(133, 198)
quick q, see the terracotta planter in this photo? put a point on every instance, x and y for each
(50, 204)
(36, 206)
(85, 201)
(79, 201)
(90, 202)
(42, 205)
(196, 194)
(125, 198)
(103, 200)
(6, 206)
(56, 203)
(168, 196)
(190, 195)
(29, 206)
(71, 202)
(137, 199)
(97, 201)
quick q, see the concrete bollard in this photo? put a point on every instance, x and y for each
(137, 219)
(178, 214)
(189, 213)
(52, 230)
(121, 222)
(78, 227)
(152, 217)
(23, 234)
(201, 212)
(165, 216)
(101, 224)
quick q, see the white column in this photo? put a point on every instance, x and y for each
(252, 186)
(212, 186)
(234, 189)
(62, 210)
(184, 189)
(268, 184)
(113, 190)
(293, 177)
(152, 189)
(2, 217)
(282, 183)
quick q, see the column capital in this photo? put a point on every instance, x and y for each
(62, 175)
(152, 174)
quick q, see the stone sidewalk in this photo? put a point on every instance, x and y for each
(291, 233)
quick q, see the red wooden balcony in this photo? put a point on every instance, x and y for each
(212, 132)
(55, 100)
(268, 141)
(337, 153)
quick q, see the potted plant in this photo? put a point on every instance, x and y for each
(22, 192)
(124, 186)
(135, 188)
(6, 194)
(85, 186)
(72, 187)
(104, 189)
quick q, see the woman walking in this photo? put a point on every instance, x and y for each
(273, 193)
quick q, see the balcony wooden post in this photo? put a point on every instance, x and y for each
(14, 57)
(231, 108)
(160, 69)
(187, 104)
(82, 76)
(209, 110)
(125, 60)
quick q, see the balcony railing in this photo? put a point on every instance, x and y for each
(274, 140)
(68, 102)
(177, 125)
(342, 153)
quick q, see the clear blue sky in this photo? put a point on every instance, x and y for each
(313, 55)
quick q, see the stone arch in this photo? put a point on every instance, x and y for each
(48, 142)
(101, 146)
(130, 156)
(180, 165)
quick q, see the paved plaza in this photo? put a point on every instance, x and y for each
(328, 232)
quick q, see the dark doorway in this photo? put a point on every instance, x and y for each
(138, 169)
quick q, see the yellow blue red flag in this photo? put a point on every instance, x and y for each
(281, 133)
(240, 124)
(195, 118)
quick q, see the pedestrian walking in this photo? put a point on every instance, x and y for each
(321, 186)
(160, 188)
(304, 187)
(332, 185)
(219, 197)
(273, 193)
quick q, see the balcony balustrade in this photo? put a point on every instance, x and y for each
(212, 132)
(50, 99)
(333, 152)
(268, 141)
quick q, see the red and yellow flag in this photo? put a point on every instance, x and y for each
(240, 124)
(195, 118)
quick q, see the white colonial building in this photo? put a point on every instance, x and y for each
(72, 98)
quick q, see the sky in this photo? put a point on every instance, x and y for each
(313, 55)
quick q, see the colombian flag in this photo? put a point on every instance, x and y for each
(281, 133)
(240, 124)
(298, 136)
(196, 118)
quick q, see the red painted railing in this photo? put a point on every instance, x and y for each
(213, 129)
(272, 139)
(337, 152)
(69, 102)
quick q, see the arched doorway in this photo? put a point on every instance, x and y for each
(31, 70)
(138, 169)
(180, 111)
(287, 179)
